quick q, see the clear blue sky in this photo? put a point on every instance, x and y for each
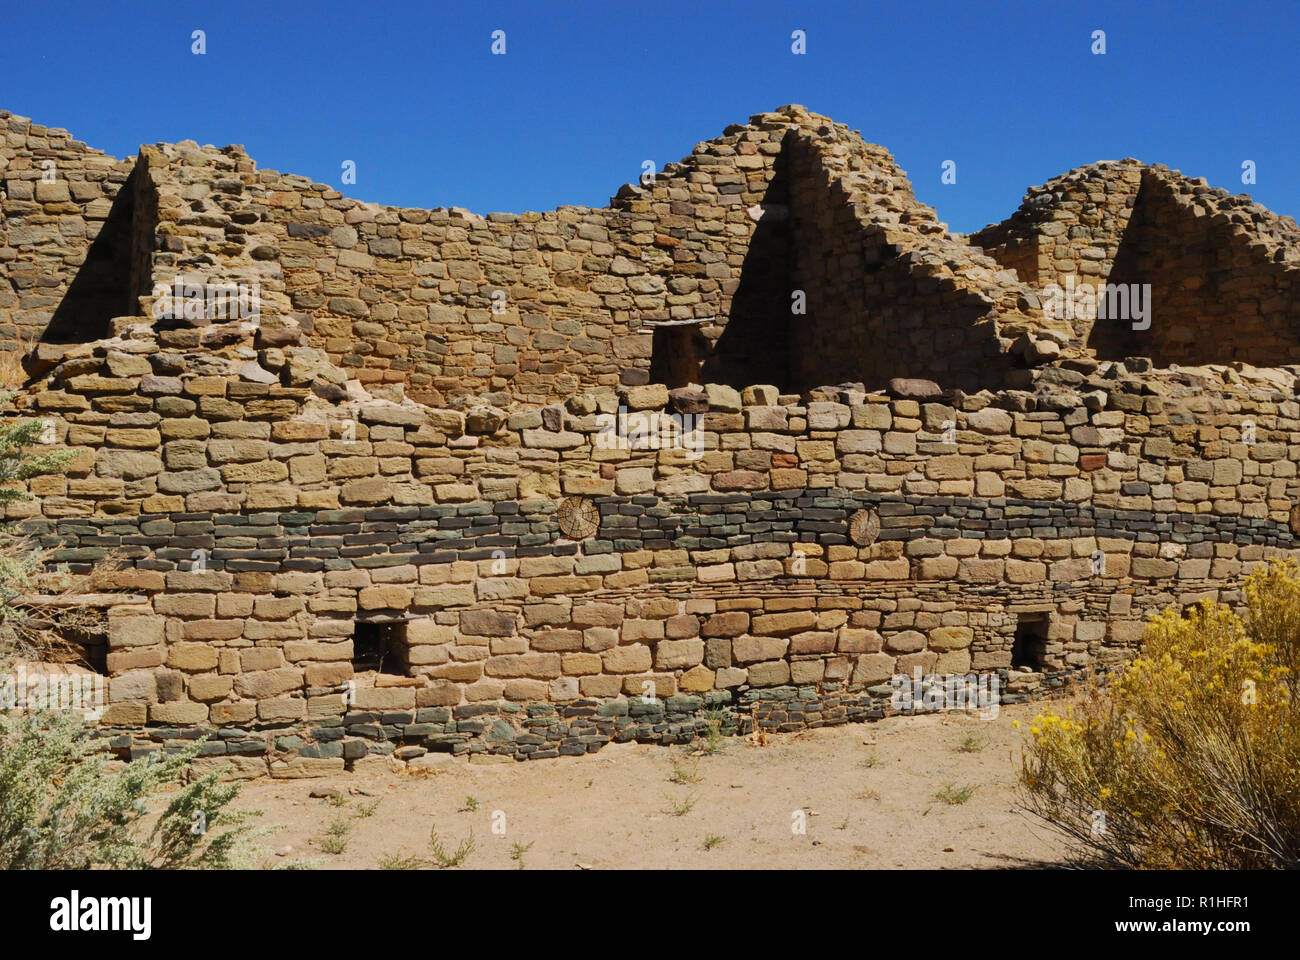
(589, 90)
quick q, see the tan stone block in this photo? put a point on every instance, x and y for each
(905, 641)
(675, 654)
(544, 666)
(263, 684)
(697, 680)
(657, 685)
(792, 621)
(751, 649)
(178, 711)
(261, 658)
(521, 690)
(135, 658)
(598, 614)
(582, 663)
(1025, 571)
(384, 698)
(953, 662)
(306, 768)
(600, 686)
(858, 640)
(459, 672)
(124, 715)
(210, 686)
(812, 641)
(390, 597)
(212, 629)
(329, 705)
(188, 605)
(192, 657)
(233, 713)
(598, 639)
(134, 630)
(807, 671)
(951, 638)
(633, 658)
(769, 674)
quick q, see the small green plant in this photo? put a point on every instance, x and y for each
(687, 772)
(871, 760)
(971, 744)
(335, 840)
(713, 840)
(869, 794)
(367, 809)
(680, 808)
(338, 800)
(713, 735)
(517, 851)
(953, 795)
(397, 861)
(470, 805)
(844, 824)
(445, 859)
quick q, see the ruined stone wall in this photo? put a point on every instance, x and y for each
(449, 307)
(889, 294)
(1070, 226)
(1221, 269)
(445, 304)
(1224, 276)
(64, 235)
(722, 577)
(378, 518)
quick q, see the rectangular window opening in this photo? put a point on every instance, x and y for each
(380, 645)
(1029, 649)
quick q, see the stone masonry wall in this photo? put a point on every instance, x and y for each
(379, 519)
(64, 235)
(1222, 269)
(727, 580)
(447, 306)
(888, 293)
(404, 298)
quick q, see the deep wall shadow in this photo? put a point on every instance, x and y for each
(102, 288)
(1113, 338)
(755, 344)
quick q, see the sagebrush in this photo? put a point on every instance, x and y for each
(1191, 758)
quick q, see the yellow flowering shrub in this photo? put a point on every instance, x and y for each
(1191, 758)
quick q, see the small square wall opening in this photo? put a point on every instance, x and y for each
(380, 645)
(1029, 649)
(678, 350)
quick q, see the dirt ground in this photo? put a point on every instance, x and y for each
(868, 796)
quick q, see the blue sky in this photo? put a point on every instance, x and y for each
(587, 91)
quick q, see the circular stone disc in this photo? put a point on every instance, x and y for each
(579, 518)
(864, 527)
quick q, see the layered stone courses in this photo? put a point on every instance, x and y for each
(379, 446)
(344, 539)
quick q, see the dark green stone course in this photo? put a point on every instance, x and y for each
(387, 536)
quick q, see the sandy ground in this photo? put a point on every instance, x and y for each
(867, 795)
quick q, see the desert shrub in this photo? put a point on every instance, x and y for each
(1191, 758)
(59, 807)
(60, 810)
